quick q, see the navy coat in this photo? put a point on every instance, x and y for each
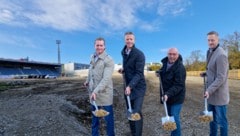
(173, 81)
(133, 68)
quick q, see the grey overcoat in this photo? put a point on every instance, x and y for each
(217, 75)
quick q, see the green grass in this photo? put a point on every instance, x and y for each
(4, 86)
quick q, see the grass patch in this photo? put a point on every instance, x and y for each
(4, 86)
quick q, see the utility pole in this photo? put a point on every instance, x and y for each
(58, 42)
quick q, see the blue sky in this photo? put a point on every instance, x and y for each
(30, 28)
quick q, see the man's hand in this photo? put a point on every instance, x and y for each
(120, 71)
(85, 84)
(203, 74)
(157, 73)
(165, 98)
(93, 96)
(128, 90)
(206, 95)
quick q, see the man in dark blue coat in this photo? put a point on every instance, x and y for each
(173, 77)
(135, 85)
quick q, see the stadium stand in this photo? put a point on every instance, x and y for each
(22, 68)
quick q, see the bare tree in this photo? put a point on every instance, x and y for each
(232, 45)
(195, 62)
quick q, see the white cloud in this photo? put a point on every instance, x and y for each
(9, 13)
(118, 16)
(89, 15)
(6, 15)
(64, 15)
(150, 27)
(165, 50)
(172, 7)
(18, 41)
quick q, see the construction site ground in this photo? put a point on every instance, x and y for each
(60, 107)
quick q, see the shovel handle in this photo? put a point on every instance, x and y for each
(129, 103)
(95, 105)
(128, 97)
(164, 101)
(205, 88)
(205, 104)
(165, 107)
(204, 83)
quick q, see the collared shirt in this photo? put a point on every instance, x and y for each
(210, 52)
(127, 51)
(96, 56)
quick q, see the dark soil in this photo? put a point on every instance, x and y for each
(54, 107)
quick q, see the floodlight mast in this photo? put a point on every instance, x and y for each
(58, 42)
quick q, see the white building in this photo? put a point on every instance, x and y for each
(72, 69)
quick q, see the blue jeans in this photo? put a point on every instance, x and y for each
(174, 110)
(219, 118)
(109, 119)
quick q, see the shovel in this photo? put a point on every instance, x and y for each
(168, 122)
(129, 113)
(167, 118)
(132, 116)
(205, 116)
(97, 112)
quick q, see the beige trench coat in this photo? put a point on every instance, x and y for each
(100, 79)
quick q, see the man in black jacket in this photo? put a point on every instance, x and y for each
(173, 77)
(133, 71)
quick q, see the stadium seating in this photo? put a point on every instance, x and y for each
(33, 72)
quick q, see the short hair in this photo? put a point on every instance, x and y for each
(174, 48)
(129, 33)
(99, 39)
(212, 33)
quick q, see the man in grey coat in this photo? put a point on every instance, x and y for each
(217, 90)
(99, 82)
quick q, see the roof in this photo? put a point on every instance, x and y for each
(26, 61)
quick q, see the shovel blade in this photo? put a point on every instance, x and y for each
(100, 113)
(167, 119)
(209, 113)
(129, 115)
(133, 116)
(206, 113)
(168, 123)
(206, 116)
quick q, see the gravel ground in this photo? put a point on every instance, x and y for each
(61, 108)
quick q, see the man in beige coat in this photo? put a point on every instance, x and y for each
(217, 90)
(99, 82)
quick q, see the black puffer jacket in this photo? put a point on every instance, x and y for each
(173, 81)
(133, 66)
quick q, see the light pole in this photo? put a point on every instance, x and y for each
(58, 42)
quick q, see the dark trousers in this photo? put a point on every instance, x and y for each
(136, 126)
